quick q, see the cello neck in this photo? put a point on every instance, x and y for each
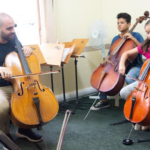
(123, 40)
(145, 71)
(131, 30)
(22, 57)
(138, 20)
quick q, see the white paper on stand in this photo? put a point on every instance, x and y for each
(65, 53)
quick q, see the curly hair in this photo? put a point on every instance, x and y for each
(125, 16)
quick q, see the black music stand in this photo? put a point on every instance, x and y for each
(51, 69)
(63, 105)
(77, 101)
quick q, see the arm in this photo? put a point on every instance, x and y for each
(136, 41)
(123, 59)
(5, 73)
(129, 36)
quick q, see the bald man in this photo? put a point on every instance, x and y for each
(7, 45)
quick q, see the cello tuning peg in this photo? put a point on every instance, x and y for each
(146, 13)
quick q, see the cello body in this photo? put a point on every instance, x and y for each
(106, 77)
(32, 104)
(139, 111)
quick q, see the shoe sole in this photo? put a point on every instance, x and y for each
(99, 108)
(5, 148)
(23, 136)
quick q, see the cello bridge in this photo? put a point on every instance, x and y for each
(31, 85)
(110, 62)
(138, 89)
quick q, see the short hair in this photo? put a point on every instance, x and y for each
(3, 16)
(125, 16)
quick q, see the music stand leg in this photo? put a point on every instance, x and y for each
(64, 104)
(51, 69)
(77, 101)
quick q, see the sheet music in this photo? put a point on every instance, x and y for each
(80, 44)
(52, 53)
(65, 53)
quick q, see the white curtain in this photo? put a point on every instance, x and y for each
(47, 29)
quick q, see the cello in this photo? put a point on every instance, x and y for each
(137, 106)
(32, 104)
(106, 77)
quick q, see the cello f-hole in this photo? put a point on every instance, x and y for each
(20, 94)
(42, 90)
(146, 92)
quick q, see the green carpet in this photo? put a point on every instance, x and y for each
(95, 133)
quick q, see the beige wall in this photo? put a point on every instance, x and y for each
(135, 8)
(73, 19)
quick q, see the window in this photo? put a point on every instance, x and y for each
(25, 15)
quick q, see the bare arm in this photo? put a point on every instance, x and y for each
(124, 58)
(5, 73)
(136, 41)
(129, 36)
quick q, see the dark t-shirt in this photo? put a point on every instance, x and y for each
(138, 60)
(4, 50)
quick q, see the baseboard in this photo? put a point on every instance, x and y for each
(72, 95)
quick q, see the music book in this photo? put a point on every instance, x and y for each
(52, 53)
(80, 44)
(49, 53)
(69, 47)
(38, 53)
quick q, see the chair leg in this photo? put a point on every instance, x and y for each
(117, 100)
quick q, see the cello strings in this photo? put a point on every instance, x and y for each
(144, 74)
(27, 71)
(115, 50)
(119, 46)
(124, 39)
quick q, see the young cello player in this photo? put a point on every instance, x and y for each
(143, 49)
(123, 23)
(7, 45)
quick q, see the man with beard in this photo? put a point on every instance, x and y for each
(7, 45)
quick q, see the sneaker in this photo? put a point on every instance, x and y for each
(137, 127)
(29, 134)
(10, 137)
(100, 105)
(145, 127)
